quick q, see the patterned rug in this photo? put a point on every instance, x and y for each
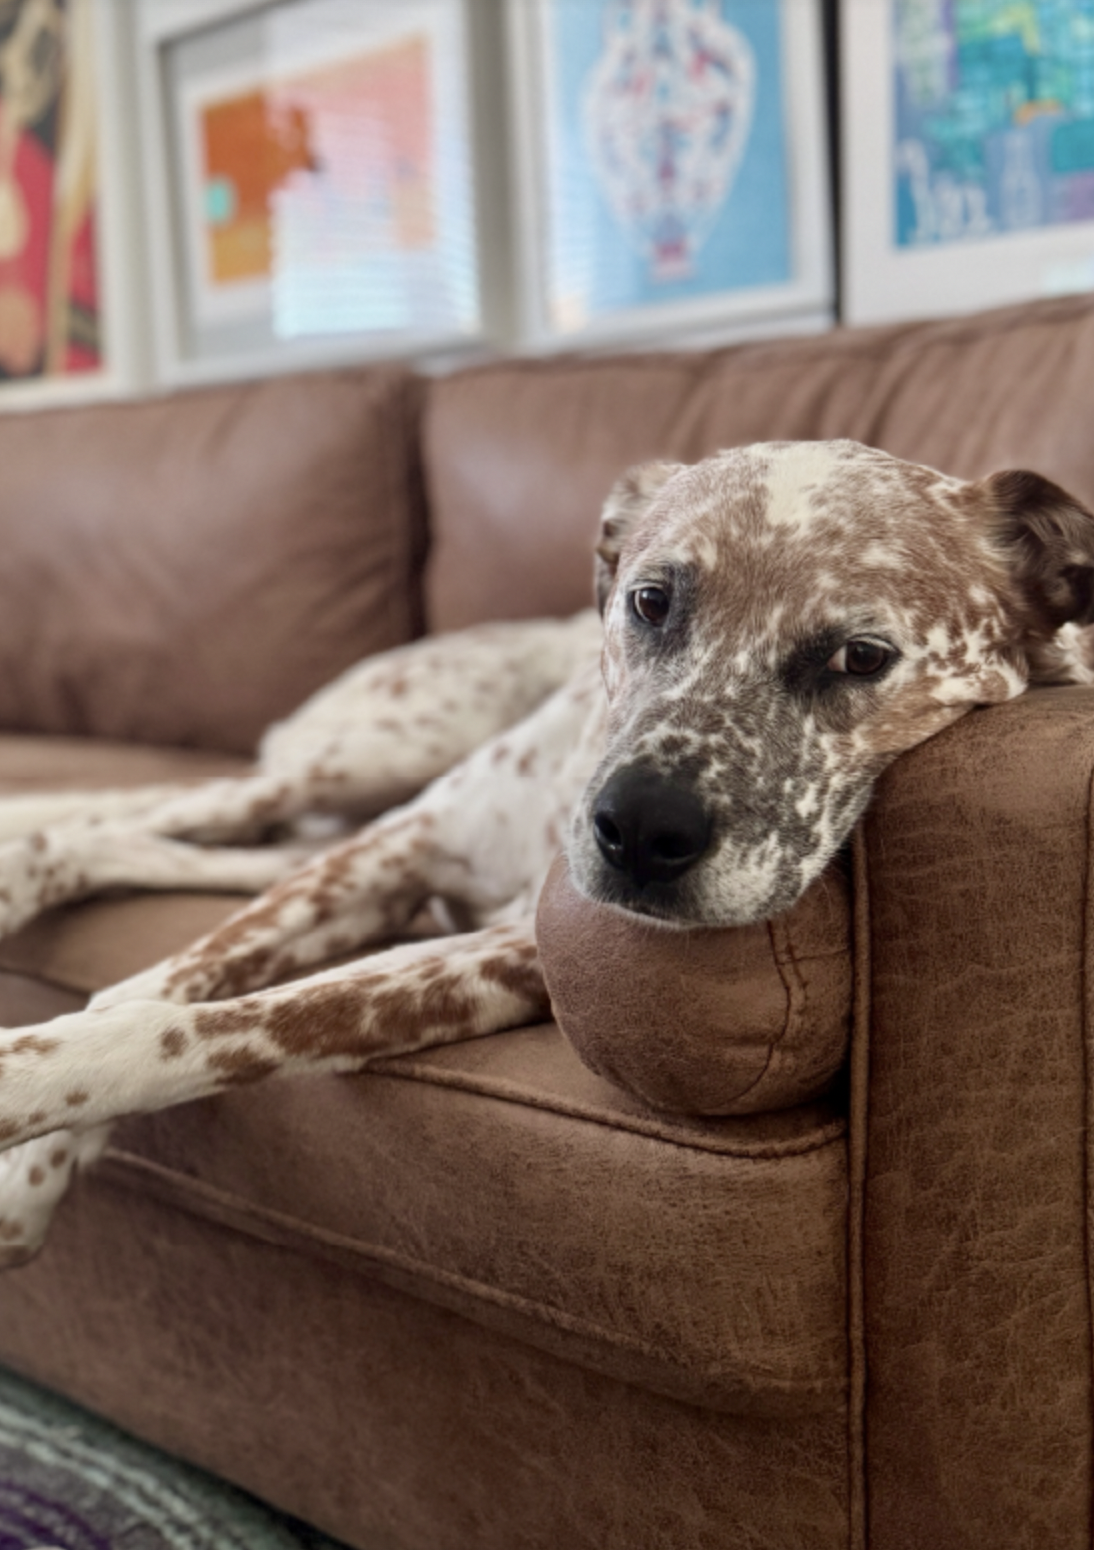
(69, 1481)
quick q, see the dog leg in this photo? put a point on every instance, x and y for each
(362, 891)
(310, 916)
(73, 861)
(481, 837)
(34, 1179)
(86, 1069)
(24, 813)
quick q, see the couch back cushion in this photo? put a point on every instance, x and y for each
(187, 569)
(520, 455)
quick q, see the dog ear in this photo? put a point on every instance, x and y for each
(1048, 540)
(628, 500)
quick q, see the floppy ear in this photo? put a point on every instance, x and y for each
(1048, 540)
(628, 500)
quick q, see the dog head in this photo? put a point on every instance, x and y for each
(781, 621)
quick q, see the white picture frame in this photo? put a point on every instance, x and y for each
(886, 280)
(801, 299)
(104, 29)
(200, 335)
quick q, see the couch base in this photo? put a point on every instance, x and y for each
(434, 1431)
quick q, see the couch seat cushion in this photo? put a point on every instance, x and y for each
(500, 1178)
(43, 763)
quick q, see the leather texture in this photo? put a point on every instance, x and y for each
(57, 763)
(520, 455)
(735, 1021)
(385, 1419)
(977, 1274)
(503, 1180)
(186, 570)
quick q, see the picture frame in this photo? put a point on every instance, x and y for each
(79, 206)
(940, 215)
(604, 255)
(276, 245)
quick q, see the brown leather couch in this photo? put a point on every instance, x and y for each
(480, 1299)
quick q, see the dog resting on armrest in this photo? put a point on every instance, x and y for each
(779, 623)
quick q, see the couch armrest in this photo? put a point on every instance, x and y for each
(972, 1132)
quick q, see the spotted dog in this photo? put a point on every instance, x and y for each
(779, 623)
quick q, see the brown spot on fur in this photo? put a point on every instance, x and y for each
(526, 764)
(37, 1176)
(240, 1065)
(37, 841)
(216, 1022)
(33, 1044)
(58, 1157)
(9, 1231)
(522, 979)
(326, 1020)
(39, 1117)
(9, 1129)
(77, 1099)
(172, 1042)
(322, 1020)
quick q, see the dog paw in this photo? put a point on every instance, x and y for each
(14, 1255)
(33, 1180)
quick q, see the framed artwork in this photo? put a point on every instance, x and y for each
(67, 285)
(968, 133)
(672, 166)
(310, 182)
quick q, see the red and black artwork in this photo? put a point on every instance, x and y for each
(49, 296)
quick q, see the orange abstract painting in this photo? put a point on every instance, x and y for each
(360, 128)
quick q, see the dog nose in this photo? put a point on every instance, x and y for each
(649, 827)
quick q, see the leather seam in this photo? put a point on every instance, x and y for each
(833, 1133)
(795, 1005)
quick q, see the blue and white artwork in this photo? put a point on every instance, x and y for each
(666, 153)
(994, 109)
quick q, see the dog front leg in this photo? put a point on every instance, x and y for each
(365, 889)
(361, 892)
(63, 1083)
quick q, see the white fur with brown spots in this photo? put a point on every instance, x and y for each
(780, 622)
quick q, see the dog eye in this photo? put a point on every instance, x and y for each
(860, 658)
(651, 604)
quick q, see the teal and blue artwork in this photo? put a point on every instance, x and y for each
(994, 109)
(667, 153)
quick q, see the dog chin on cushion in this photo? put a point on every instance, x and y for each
(706, 1020)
